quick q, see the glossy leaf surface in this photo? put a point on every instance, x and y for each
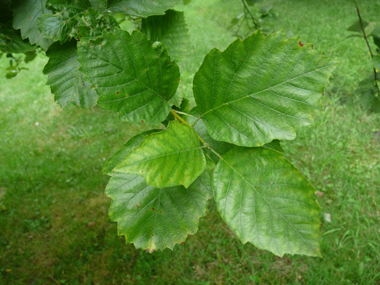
(260, 88)
(170, 29)
(169, 158)
(154, 218)
(267, 202)
(131, 76)
(65, 79)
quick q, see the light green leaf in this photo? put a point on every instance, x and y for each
(153, 218)
(131, 76)
(120, 155)
(141, 8)
(260, 88)
(267, 202)
(65, 79)
(11, 41)
(170, 29)
(26, 14)
(169, 158)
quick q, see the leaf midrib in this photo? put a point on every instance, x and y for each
(264, 90)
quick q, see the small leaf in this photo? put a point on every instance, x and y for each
(141, 8)
(356, 26)
(267, 202)
(26, 14)
(131, 76)
(260, 88)
(169, 158)
(58, 27)
(64, 78)
(170, 29)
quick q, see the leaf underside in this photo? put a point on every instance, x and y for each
(170, 29)
(65, 79)
(260, 88)
(131, 76)
(267, 202)
(169, 158)
(26, 14)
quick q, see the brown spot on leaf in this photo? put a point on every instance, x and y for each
(301, 44)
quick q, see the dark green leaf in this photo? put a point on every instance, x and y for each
(170, 29)
(30, 56)
(11, 41)
(132, 77)
(267, 202)
(259, 89)
(65, 79)
(58, 27)
(72, 6)
(169, 158)
(141, 8)
(26, 14)
(356, 27)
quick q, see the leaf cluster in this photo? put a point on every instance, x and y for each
(227, 147)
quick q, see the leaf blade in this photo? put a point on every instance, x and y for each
(169, 158)
(131, 76)
(267, 202)
(260, 88)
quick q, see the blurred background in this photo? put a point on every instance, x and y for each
(54, 227)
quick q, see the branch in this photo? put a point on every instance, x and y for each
(369, 47)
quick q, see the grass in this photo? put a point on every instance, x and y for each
(54, 227)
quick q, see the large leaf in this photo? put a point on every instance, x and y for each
(26, 14)
(267, 202)
(58, 27)
(11, 41)
(170, 29)
(169, 158)
(153, 218)
(259, 89)
(141, 8)
(130, 75)
(65, 79)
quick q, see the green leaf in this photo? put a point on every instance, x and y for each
(356, 26)
(73, 6)
(58, 27)
(26, 14)
(153, 218)
(169, 158)
(376, 62)
(260, 88)
(141, 8)
(11, 41)
(120, 155)
(267, 202)
(170, 29)
(65, 79)
(64, 24)
(131, 76)
(185, 2)
(30, 56)
(91, 18)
